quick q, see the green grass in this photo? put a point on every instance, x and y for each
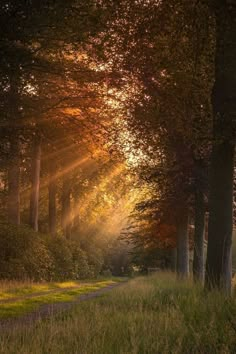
(45, 294)
(12, 289)
(149, 315)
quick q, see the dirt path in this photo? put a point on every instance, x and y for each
(48, 310)
(40, 293)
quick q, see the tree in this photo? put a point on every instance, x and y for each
(218, 267)
(171, 109)
(14, 181)
(35, 183)
(52, 206)
(199, 220)
(33, 35)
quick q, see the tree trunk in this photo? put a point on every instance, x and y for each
(182, 245)
(173, 255)
(66, 207)
(52, 192)
(76, 214)
(14, 182)
(14, 163)
(218, 266)
(35, 183)
(199, 236)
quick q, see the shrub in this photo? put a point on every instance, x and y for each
(81, 269)
(62, 258)
(23, 254)
(95, 260)
(38, 261)
(106, 273)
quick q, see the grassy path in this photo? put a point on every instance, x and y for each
(147, 315)
(50, 292)
(37, 301)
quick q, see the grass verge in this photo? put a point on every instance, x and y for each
(41, 294)
(149, 315)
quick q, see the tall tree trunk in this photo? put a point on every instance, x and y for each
(14, 182)
(199, 236)
(35, 183)
(52, 192)
(66, 207)
(14, 163)
(173, 256)
(182, 245)
(76, 215)
(218, 266)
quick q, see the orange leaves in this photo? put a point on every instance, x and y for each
(166, 235)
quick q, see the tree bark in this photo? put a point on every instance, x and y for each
(52, 192)
(35, 183)
(199, 236)
(14, 163)
(173, 255)
(218, 266)
(182, 245)
(14, 182)
(66, 207)
(76, 214)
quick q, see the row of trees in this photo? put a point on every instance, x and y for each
(129, 82)
(53, 170)
(178, 51)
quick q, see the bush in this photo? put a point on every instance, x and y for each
(106, 273)
(62, 258)
(95, 260)
(81, 269)
(38, 261)
(23, 254)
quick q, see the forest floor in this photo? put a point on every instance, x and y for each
(146, 315)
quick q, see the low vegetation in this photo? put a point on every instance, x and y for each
(25, 254)
(154, 314)
(19, 299)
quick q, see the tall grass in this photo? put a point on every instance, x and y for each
(152, 315)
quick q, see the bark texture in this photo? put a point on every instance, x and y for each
(14, 182)
(14, 158)
(52, 206)
(199, 236)
(35, 183)
(66, 207)
(173, 255)
(218, 266)
(182, 245)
